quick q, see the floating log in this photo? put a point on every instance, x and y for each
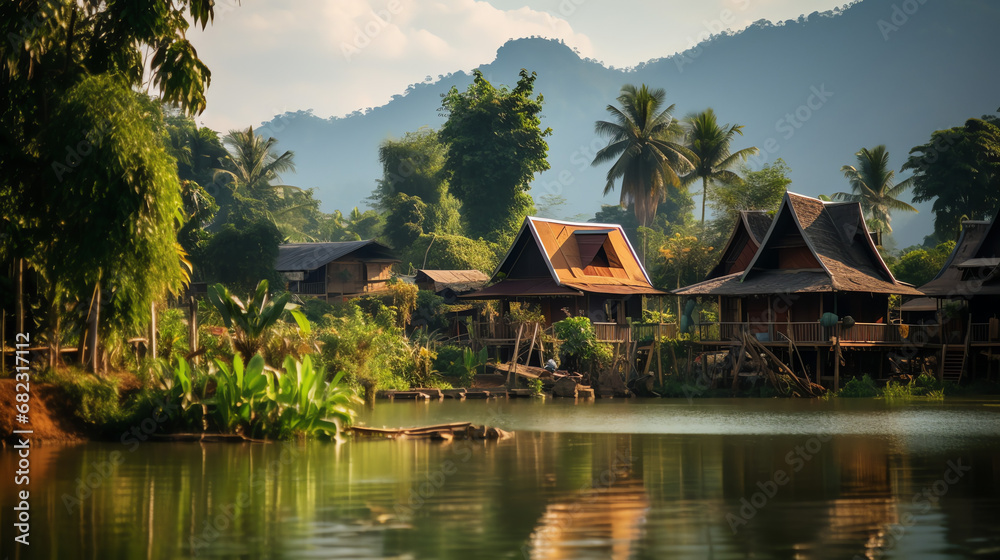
(477, 394)
(439, 432)
(410, 395)
(520, 393)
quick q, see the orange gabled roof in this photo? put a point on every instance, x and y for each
(563, 247)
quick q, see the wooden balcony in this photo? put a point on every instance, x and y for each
(814, 333)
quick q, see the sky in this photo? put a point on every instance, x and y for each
(337, 56)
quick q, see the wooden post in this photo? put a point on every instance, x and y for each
(151, 345)
(836, 364)
(193, 326)
(512, 368)
(19, 296)
(95, 312)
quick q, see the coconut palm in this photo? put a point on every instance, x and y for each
(874, 185)
(710, 143)
(641, 145)
(253, 163)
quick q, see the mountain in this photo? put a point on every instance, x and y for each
(811, 91)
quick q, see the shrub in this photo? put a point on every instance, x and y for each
(859, 388)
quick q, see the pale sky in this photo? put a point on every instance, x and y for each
(336, 56)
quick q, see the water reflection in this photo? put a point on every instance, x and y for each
(884, 492)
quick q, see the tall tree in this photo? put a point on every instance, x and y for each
(959, 169)
(495, 147)
(642, 150)
(253, 163)
(759, 190)
(710, 143)
(83, 179)
(874, 185)
(413, 167)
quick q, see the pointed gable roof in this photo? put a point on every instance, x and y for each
(582, 257)
(750, 229)
(811, 246)
(973, 266)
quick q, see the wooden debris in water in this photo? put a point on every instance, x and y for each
(440, 432)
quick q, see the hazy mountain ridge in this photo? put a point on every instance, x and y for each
(812, 91)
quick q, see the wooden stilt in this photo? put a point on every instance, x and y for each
(739, 362)
(152, 331)
(193, 327)
(836, 365)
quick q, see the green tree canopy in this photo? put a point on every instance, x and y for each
(873, 184)
(79, 163)
(959, 169)
(759, 190)
(710, 143)
(412, 165)
(918, 265)
(495, 147)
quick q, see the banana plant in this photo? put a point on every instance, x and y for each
(252, 321)
(307, 403)
(240, 394)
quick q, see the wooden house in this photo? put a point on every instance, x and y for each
(816, 258)
(965, 299)
(571, 269)
(450, 283)
(335, 271)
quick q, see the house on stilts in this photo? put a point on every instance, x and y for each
(568, 269)
(815, 285)
(963, 300)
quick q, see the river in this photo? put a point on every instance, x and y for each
(718, 479)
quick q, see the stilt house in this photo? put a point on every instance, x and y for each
(336, 271)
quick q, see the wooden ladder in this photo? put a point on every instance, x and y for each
(953, 358)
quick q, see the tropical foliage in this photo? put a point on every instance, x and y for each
(642, 150)
(495, 147)
(252, 321)
(874, 185)
(713, 160)
(959, 170)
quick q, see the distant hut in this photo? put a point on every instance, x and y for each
(450, 284)
(336, 271)
(816, 258)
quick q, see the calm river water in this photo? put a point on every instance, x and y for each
(609, 479)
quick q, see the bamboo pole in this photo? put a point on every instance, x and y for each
(193, 327)
(152, 331)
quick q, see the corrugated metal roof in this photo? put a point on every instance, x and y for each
(458, 280)
(310, 256)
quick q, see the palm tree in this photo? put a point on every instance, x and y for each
(874, 185)
(641, 147)
(253, 162)
(710, 143)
